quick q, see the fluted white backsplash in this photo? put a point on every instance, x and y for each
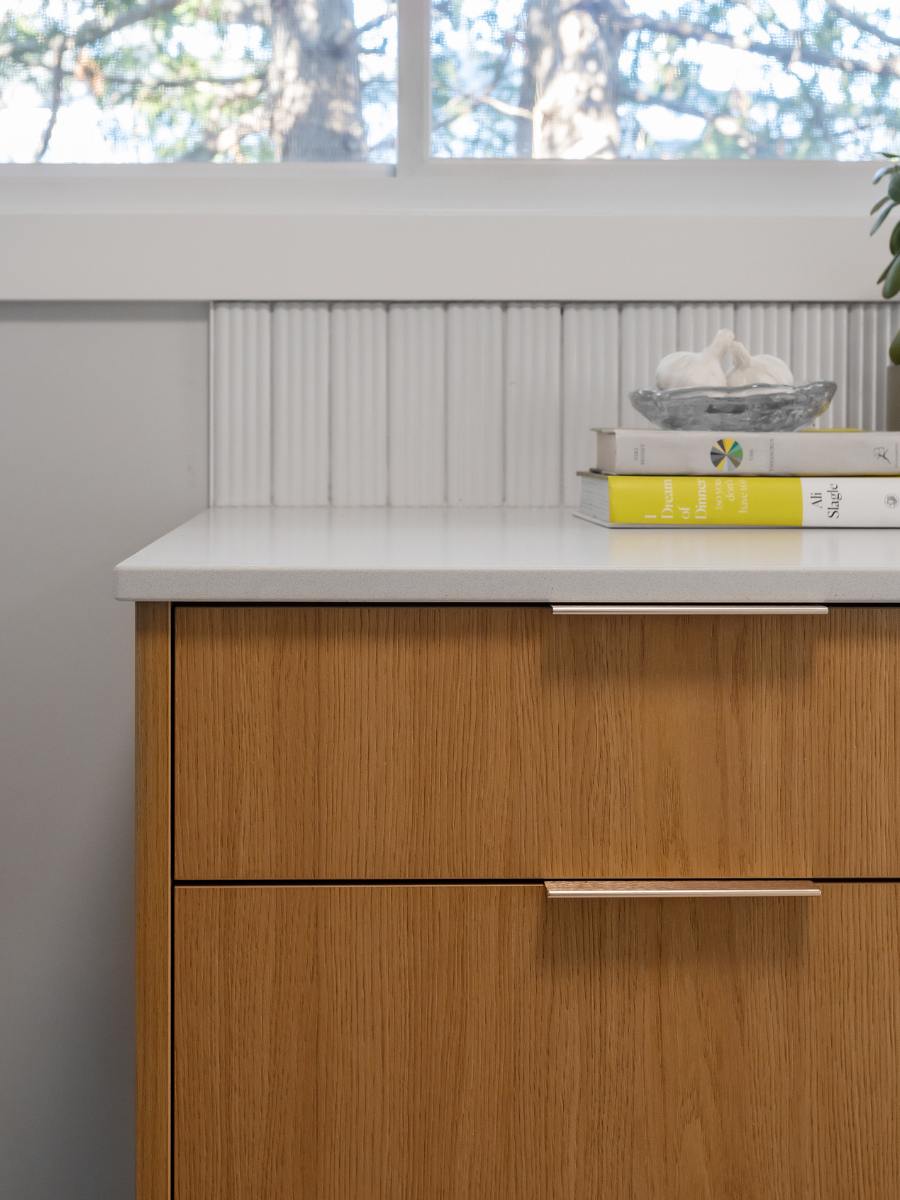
(478, 404)
(241, 398)
(301, 367)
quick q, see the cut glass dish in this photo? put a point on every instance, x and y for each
(757, 408)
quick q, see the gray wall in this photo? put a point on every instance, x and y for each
(103, 446)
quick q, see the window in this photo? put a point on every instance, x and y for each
(107, 81)
(165, 149)
(650, 79)
(256, 81)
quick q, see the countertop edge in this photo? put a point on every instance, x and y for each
(689, 585)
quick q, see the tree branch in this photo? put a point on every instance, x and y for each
(237, 12)
(461, 105)
(864, 26)
(92, 31)
(799, 51)
(375, 23)
(55, 99)
(216, 81)
(501, 106)
(354, 33)
(644, 98)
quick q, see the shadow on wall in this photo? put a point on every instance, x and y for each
(104, 417)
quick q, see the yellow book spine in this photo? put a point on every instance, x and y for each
(704, 500)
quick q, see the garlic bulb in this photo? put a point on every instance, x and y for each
(685, 369)
(761, 368)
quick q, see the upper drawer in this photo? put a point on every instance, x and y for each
(445, 742)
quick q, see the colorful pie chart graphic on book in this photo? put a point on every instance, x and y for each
(727, 454)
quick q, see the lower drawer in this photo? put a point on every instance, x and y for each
(476, 1042)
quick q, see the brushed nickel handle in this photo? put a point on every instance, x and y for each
(666, 889)
(690, 610)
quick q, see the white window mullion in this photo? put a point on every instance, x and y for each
(413, 86)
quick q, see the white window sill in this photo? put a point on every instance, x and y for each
(450, 231)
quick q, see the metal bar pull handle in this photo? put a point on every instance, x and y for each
(668, 889)
(690, 610)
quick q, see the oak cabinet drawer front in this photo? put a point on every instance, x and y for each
(383, 743)
(393, 1042)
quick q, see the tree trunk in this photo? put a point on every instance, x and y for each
(314, 82)
(570, 83)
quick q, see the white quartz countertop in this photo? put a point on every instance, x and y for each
(468, 555)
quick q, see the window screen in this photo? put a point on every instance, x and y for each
(198, 81)
(646, 79)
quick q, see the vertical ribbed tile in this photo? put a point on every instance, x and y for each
(416, 405)
(819, 334)
(871, 327)
(475, 404)
(241, 405)
(413, 405)
(533, 408)
(647, 333)
(764, 328)
(887, 324)
(698, 324)
(590, 385)
(359, 452)
(300, 404)
(862, 366)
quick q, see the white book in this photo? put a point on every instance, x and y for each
(689, 452)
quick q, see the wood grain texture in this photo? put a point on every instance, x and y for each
(153, 902)
(398, 1043)
(391, 743)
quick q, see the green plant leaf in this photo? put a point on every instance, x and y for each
(894, 187)
(895, 239)
(887, 154)
(879, 204)
(882, 217)
(895, 350)
(884, 171)
(891, 284)
(887, 270)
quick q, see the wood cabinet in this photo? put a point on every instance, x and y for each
(386, 743)
(353, 984)
(468, 1042)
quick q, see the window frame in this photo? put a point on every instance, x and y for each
(438, 229)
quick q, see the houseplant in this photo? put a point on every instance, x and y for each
(890, 276)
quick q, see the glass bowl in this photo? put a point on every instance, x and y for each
(758, 408)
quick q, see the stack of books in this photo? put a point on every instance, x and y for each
(656, 478)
